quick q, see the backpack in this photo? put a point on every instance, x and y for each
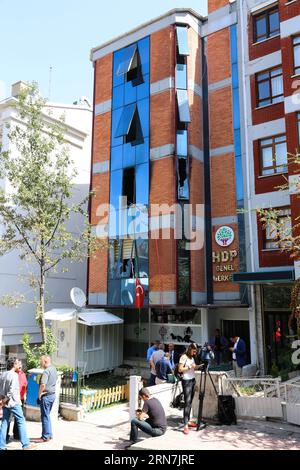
(178, 401)
(178, 374)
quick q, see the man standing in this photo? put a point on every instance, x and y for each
(23, 389)
(152, 349)
(11, 402)
(155, 425)
(238, 355)
(173, 359)
(218, 344)
(163, 368)
(156, 356)
(47, 397)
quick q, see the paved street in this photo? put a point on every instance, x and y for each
(102, 430)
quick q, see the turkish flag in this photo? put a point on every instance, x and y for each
(139, 294)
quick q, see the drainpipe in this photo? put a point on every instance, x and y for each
(244, 40)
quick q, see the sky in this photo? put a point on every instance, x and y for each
(38, 34)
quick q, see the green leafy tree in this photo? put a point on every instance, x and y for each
(36, 212)
(286, 238)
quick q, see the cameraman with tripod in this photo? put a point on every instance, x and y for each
(187, 367)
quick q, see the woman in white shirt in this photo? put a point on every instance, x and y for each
(187, 367)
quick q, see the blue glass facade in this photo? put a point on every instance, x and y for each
(128, 227)
(238, 153)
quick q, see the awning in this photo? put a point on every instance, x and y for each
(263, 277)
(60, 314)
(98, 317)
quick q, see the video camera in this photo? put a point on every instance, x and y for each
(205, 353)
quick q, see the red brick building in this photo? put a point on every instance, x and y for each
(193, 118)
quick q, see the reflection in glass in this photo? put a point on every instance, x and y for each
(182, 40)
(181, 77)
(183, 106)
(182, 143)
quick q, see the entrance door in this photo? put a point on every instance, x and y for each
(277, 340)
(239, 328)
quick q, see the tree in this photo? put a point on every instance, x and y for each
(287, 238)
(36, 212)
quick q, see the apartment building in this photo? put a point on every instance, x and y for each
(14, 322)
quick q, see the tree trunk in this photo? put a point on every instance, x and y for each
(41, 306)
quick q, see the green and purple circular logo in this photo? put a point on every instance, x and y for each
(224, 236)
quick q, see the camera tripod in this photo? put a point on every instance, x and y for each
(204, 373)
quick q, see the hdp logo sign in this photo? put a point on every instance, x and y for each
(224, 236)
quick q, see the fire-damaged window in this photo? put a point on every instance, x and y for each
(182, 164)
(129, 185)
(122, 258)
(183, 180)
(183, 273)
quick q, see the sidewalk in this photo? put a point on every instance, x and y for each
(246, 435)
(102, 430)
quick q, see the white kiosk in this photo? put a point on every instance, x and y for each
(88, 338)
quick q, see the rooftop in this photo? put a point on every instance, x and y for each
(181, 15)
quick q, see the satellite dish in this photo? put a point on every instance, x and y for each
(78, 297)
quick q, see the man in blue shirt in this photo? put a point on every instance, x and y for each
(163, 368)
(151, 350)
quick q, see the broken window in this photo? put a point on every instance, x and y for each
(183, 182)
(129, 185)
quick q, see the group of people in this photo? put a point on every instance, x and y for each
(151, 419)
(236, 347)
(13, 390)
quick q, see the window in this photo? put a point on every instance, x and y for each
(182, 40)
(182, 143)
(122, 259)
(183, 106)
(296, 46)
(269, 87)
(129, 125)
(130, 65)
(93, 338)
(183, 273)
(266, 25)
(181, 76)
(278, 231)
(273, 155)
(129, 185)
(183, 181)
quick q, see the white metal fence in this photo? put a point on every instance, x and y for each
(292, 400)
(255, 397)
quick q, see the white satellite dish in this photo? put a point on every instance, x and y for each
(78, 297)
